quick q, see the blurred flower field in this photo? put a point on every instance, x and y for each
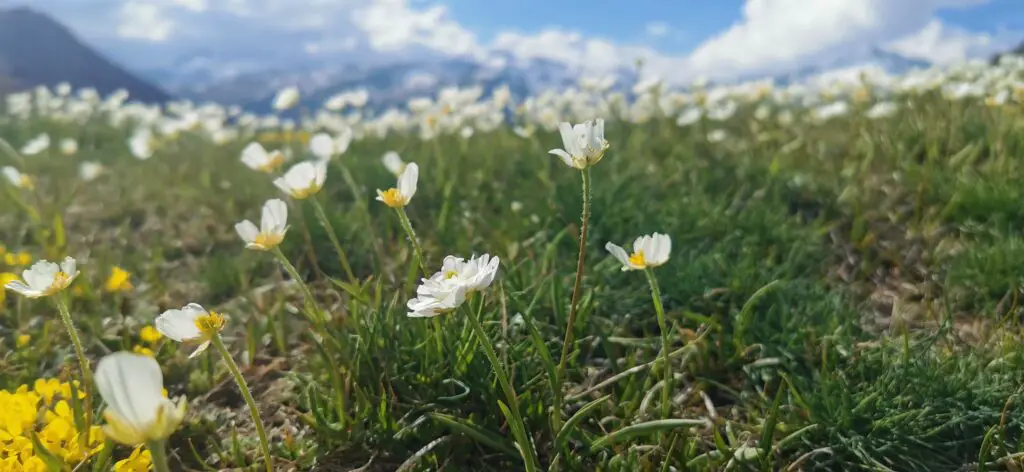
(824, 276)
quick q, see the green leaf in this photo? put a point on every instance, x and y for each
(481, 435)
(649, 427)
(571, 423)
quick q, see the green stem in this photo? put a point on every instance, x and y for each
(666, 390)
(403, 218)
(573, 306)
(83, 362)
(317, 316)
(506, 386)
(322, 216)
(158, 451)
(361, 202)
(254, 411)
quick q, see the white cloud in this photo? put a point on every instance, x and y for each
(657, 29)
(145, 21)
(939, 43)
(777, 35)
(391, 25)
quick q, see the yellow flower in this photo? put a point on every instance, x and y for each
(118, 281)
(139, 461)
(5, 277)
(24, 258)
(44, 411)
(3, 250)
(145, 351)
(23, 340)
(149, 334)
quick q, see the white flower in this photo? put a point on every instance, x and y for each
(584, 144)
(473, 275)
(257, 158)
(88, 171)
(648, 251)
(398, 197)
(881, 110)
(68, 146)
(45, 278)
(303, 180)
(17, 179)
(137, 412)
(466, 132)
(324, 147)
(447, 289)
(286, 98)
(190, 324)
(435, 296)
(393, 163)
(36, 145)
(141, 144)
(717, 136)
(273, 226)
(689, 116)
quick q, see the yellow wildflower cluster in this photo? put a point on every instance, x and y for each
(10, 260)
(149, 337)
(42, 410)
(119, 280)
(283, 137)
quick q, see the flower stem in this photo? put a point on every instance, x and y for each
(158, 451)
(525, 448)
(322, 216)
(254, 411)
(83, 363)
(574, 305)
(666, 390)
(360, 200)
(311, 304)
(403, 218)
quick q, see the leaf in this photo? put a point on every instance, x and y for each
(649, 427)
(54, 463)
(473, 431)
(571, 423)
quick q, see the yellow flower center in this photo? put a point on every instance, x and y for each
(637, 259)
(60, 281)
(210, 323)
(268, 240)
(27, 182)
(393, 198)
(275, 161)
(451, 274)
(304, 193)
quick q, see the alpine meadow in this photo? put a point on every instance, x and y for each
(744, 277)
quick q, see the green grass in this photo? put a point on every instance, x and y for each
(823, 281)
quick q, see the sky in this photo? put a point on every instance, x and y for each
(716, 39)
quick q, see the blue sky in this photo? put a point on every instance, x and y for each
(718, 39)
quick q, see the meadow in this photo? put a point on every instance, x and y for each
(843, 289)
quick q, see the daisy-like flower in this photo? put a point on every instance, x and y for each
(648, 251)
(88, 171)
(141, 144)
(257, 158)
(68, 146)
(436, 296)
(137, 412)
(584, 144)
(398, 197)
(473, 275)
(273, 226)
(45, 278)
(192, 323)
(303, 180)
(324, 147)
(36, 145)
(393, 163)
(286, 98)
(447, 289)
(17, 179)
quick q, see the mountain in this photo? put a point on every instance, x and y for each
(37, 50)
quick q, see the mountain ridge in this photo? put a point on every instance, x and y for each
(36, 49)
